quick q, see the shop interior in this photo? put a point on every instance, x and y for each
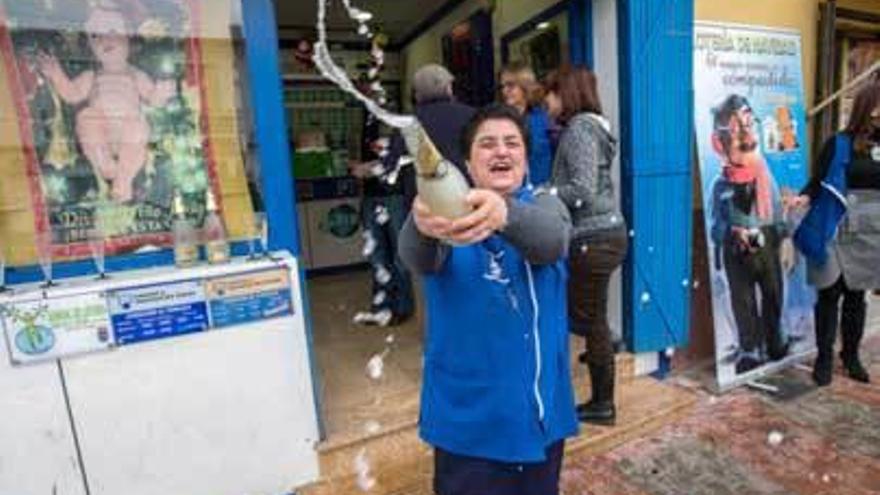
(328, 133)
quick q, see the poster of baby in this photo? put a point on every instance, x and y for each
(108, 95)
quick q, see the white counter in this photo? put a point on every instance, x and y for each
(228, 410)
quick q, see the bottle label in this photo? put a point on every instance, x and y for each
(186, 254)
(217, 251)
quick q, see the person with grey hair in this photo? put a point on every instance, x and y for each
(443, 119)
(440, 114)
(432, 82)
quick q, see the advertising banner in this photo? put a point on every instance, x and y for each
(752, 148)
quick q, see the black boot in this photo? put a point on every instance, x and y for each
(852, 328)
(826, 328)
(600, 408)
(855, 369)
(823, 369)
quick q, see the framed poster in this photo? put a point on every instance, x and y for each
(110, 108)
(751, 132)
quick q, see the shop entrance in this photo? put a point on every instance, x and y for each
(335, 210)
(329, 132)
(373, 421)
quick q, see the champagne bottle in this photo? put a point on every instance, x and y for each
(440, 184)
(216, 244)
(186, 248)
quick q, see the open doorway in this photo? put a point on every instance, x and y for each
(342, 241)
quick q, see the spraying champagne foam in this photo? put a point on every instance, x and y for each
(440, 184)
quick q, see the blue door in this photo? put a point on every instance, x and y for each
(656, 150)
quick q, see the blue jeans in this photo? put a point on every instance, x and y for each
(398, 290)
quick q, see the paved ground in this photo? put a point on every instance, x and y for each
(748, 443)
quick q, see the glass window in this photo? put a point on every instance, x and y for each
(545, 48)
(109, 110)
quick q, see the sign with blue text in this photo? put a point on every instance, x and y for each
(158, 311)
(752, 146)
(249, 297)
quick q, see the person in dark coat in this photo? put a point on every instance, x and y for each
(845, 265)
(442, 117)
(387, 200)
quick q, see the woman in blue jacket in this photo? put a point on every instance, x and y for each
(497, 401)
(839, 235)
(520, 90)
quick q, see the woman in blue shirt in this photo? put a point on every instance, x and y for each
(520, 90)
(497, 400)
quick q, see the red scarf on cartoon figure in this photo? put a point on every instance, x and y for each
(753, 168)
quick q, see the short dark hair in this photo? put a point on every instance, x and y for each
(577, 89)
(493, 111)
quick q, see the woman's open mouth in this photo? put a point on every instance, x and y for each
(500, 167)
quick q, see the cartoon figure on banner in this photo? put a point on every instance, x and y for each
(749, 235)
(111, 128)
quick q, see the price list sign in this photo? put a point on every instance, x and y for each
(158, 311)
(249, 297)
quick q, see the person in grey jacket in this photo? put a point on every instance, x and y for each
(582, 179)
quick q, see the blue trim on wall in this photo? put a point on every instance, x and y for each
(82, 268)
(580, 32)
(531, 24)
(656, 111)
(270, 123)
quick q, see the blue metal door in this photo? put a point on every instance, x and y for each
(656, 148)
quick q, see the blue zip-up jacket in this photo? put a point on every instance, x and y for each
(541, 147)
(496, 381)
(829, 206)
